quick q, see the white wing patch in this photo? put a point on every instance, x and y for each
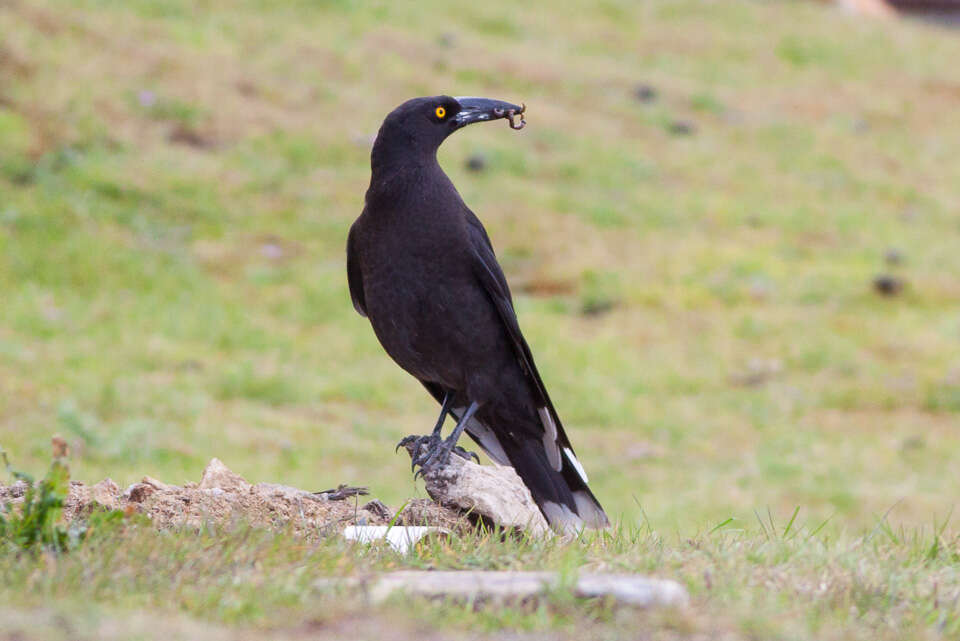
(576, 464)
(486, 438)
(550, 438)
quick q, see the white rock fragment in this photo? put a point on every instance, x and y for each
(633, 590)
(625, 589)
(400, 538)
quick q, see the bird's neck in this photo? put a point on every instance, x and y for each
(390, 155)
(398, 171)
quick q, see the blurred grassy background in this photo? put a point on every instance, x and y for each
(693, 271)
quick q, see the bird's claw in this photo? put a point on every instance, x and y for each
(406, 440)
(431, 453)
(420, 448)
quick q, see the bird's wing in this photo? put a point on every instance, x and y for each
(491, 276)
(354, 278)
(483, 246)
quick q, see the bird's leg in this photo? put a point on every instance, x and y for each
(439, 455)
(416, 443)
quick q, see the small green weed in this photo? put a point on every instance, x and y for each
(36, 523)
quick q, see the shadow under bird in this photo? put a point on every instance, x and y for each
(422, 269)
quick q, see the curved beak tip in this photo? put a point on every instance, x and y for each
(473, 109)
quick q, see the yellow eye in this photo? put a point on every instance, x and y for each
(441, 112)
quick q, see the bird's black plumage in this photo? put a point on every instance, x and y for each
(422, 269)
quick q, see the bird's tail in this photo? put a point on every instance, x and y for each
(562, 496)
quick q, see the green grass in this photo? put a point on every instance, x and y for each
(176, 184)
(764, 580)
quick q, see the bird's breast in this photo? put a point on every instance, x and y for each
(426, 307)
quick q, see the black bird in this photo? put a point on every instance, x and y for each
(422, 269)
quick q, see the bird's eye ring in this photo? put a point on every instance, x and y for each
(441, 112)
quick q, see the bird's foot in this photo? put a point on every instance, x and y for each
(437, 458)
(431, 453)
(419, 447)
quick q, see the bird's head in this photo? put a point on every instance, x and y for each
(422, 124)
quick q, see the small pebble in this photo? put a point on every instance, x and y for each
(887, 285)
(138, 493)
(682, 128)
(476, 162)
(597, 307)
(645, 93)
(18, 489)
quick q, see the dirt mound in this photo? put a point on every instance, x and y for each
(223, 497)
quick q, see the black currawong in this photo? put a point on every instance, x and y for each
(422, 269)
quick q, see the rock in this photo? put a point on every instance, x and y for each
(888, 285)
(106, 493)
(495, 493)
(139, 492)
(427, 512)
(155, 484)
(19, 489)
(645, 93)
(401, 538)
(377, 507)
(277, 491)
(682, 128)
(216, 474)
(184, 135)
(478, 587)
(477, 162)
(597, 306)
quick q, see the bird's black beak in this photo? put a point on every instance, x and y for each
(484, 109)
